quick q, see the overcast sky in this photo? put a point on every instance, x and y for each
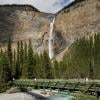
(48, 6)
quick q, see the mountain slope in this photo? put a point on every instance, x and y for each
(24, 23)
(81, 19)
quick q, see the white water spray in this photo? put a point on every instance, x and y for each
(51, 36)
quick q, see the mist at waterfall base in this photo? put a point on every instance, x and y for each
(51, 36)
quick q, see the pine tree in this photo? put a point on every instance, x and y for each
(25, 62)
(17, 66)
(48, 66)
(31, 62)
(21, 51)
(37, 66)
(5, 69)
(14, 64)
(25, 52)
(42, 67)
(9, 55)
(1, 52)
(56, 69)
(9, 51)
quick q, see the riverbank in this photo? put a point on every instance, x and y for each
(34, 95)
(22, 96)
(81, 96)
(45, 95)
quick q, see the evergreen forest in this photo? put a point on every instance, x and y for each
(81, 60)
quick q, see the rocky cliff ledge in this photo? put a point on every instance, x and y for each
(25, 22)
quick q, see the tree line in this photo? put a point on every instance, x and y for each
(81, 60)
(24, 63)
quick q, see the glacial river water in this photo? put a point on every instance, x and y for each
(35, 95)
(55, 95)
(21, 96)
(59, 97)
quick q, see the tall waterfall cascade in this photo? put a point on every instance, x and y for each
(51, 36)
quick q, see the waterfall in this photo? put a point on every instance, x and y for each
(51, 52)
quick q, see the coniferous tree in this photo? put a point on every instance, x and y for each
(25, 52)
(81, 60)
(37, 67)
(9, 56)
(9, 51)
(21, 51)
(56, 69)
(14, 64)
(17, 66)
(25, 62)
(5, 69)
(48, 66)
(1, 52)
(42, 67)
(31, 62)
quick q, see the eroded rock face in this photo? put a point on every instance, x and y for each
(24, 23)
(78, 20)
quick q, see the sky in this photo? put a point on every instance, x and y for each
(47, 6)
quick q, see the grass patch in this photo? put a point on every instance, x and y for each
(84, 97)
(4, 87)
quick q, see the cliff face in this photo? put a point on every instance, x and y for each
(78, 20)
(71, 23)
(23, 23)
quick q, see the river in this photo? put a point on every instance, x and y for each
(34, 95)
(60, 97)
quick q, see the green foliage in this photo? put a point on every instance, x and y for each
(82, 59)
(5, 71)
(17, 65)
(84, 97)
(9, 58)
(30, 61)
(47, 65)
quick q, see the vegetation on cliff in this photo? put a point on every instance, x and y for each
(82, 59)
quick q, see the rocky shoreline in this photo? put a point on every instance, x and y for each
(22, 96)
(16, 94)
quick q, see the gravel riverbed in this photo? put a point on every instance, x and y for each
(22, 96)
